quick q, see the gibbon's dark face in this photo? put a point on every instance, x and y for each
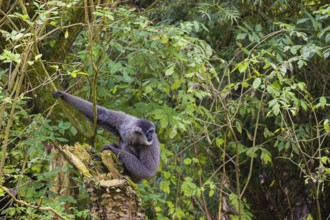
(149, 135)
(147, 127)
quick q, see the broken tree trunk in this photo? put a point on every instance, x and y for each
(111, 194)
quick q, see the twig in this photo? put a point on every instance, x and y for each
(38, 207)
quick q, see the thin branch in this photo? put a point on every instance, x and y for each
(37, 207)
(222, 177)
(254, 143)
(56, 29)
(91, 49)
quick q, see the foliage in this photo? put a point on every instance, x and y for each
(238, 91)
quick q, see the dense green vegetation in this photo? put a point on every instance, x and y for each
(238, 90)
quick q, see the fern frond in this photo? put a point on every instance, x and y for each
(220, 13)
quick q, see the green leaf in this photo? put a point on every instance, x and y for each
(239, 126)
(234, 200)
(177, 84)
(147, 89)
(294, 49)
(8, 57)
(265, 156)
(303, 20)
(309, 217)
(258, 27)
(326, 125)
(255, 37)
(37, 57)
(174, 132)
(256, 83)
(276, 109)
(272, 102)
(301, 63)
(327, 38)
(2, 193)
(301, 86)
(251, 152)
(295, 148)
(73, 130)
(304, 106)
(242, 67)
(211, 193)
(170, 70)
(165, 186)
(12, 211)
(323, 101)
(187, 161)
(61, 139)
(241, 36)
(196, 26)
(324, 160)
(219, 142)
(188, 188)
(269, 89)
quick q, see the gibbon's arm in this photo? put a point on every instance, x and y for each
(136, 169)
(108, 119)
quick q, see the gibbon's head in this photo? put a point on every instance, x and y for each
(144, 131)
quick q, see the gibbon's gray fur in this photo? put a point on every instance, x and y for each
(138, 149)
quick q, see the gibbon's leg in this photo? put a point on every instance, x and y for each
(135, 168)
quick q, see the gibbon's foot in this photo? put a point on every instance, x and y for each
(108, 147)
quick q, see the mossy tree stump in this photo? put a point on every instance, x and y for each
(112, 195)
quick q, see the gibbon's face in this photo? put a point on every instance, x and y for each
(149, 136)
(145, 131)
(144, 138)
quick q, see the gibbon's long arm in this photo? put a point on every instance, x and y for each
(108, 119)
